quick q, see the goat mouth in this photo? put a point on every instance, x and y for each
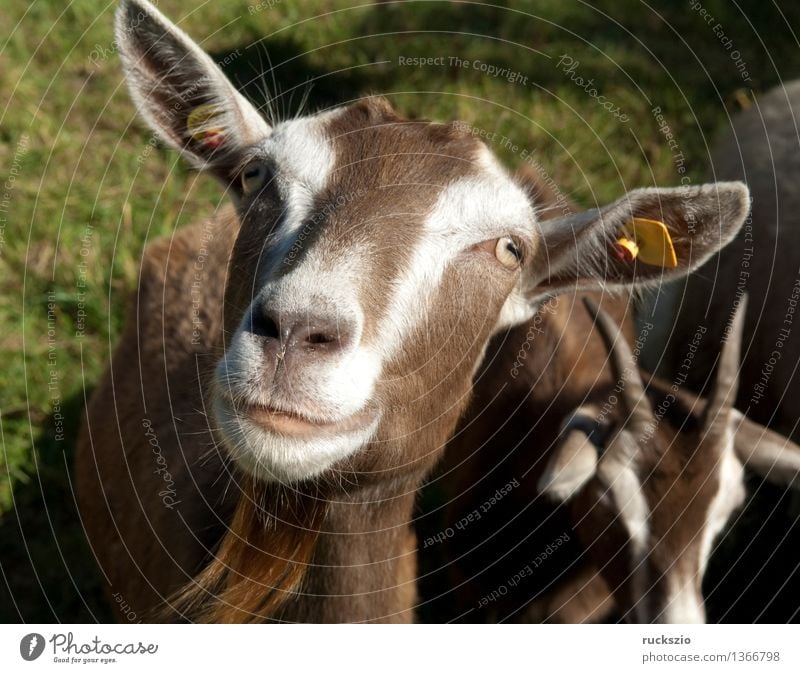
(293, 424)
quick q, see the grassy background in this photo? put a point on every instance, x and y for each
(85, 190)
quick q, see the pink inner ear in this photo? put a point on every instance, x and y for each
(622, 253)
(213, 140)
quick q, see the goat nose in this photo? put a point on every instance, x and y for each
(298, 333)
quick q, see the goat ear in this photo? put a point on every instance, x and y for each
(766, 452)
(571, 466)
(182, 93)
(580, 250)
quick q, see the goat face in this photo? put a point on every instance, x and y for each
(651, 490)
(376, 256)
(649, 515)
(363, 296)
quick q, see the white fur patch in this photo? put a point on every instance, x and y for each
(684, 602)
(468, 211)
(274, 458)
(617, 471)
(729, 496)
(305, 159)
(329, 389)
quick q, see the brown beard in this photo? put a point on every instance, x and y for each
(261, 560)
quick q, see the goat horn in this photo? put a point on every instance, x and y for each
(624, 367)
(717, 414)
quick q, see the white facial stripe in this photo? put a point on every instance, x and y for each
(729, 496)
(480, 207)
(468, 211)
(305, 157)
(684, 602)
(617, 471)
(303, 151)
(327, 390)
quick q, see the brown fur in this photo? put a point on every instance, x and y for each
(678, 472)
(260, 568)
(564, 364)
(583, 599)
(565, 368)
(334, 546)
(118, 487)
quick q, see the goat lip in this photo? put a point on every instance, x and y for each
(296, 425)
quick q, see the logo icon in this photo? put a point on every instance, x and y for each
(31, 646)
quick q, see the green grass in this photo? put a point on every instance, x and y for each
(87, 195)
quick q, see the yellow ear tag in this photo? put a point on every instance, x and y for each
(654, 242)
(198, 123)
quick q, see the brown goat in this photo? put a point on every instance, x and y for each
(291, 370)
(649, 476)
(653, 480)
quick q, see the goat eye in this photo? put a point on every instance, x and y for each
(508, 253)
(254, 176)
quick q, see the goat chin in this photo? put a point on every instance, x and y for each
(269, 456)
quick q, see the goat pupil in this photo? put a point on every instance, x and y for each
(512, 249)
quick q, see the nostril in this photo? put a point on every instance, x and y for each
(323, 335)
(262, 324)
(290, 332)
(321, 338)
